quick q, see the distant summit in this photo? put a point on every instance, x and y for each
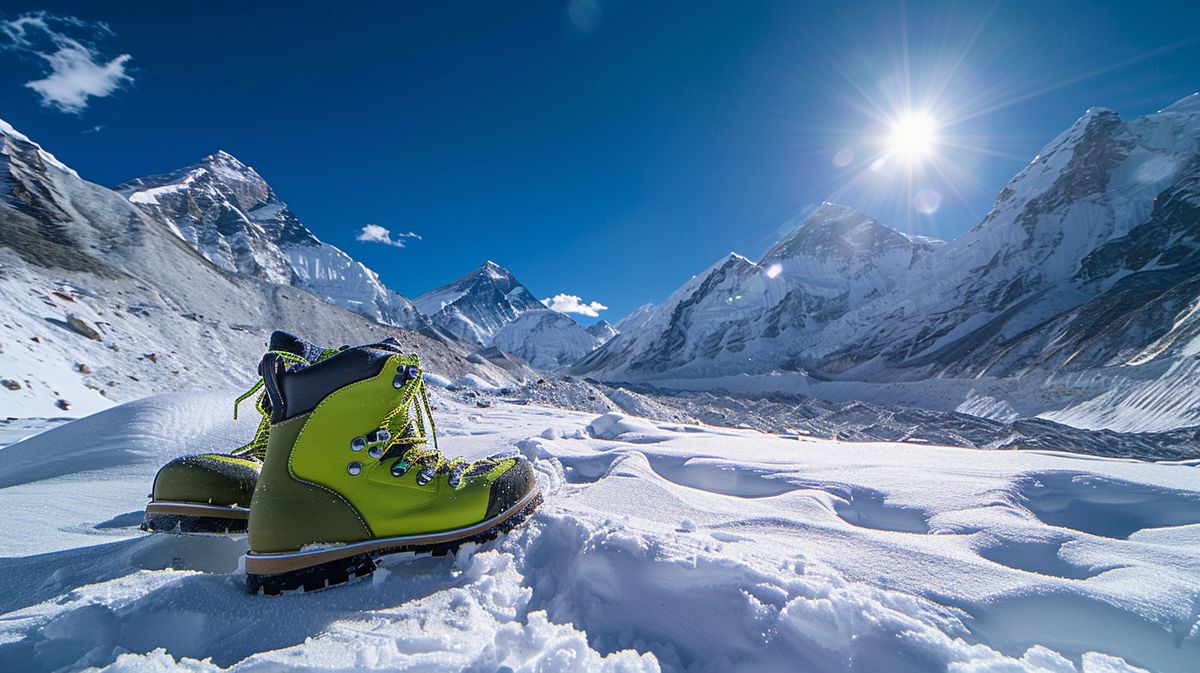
(476, 306)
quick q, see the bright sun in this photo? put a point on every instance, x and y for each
(912, 137)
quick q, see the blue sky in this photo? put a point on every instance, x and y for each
(602, 148)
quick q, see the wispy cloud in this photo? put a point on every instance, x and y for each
(583, 16)
(373, 233)
(76, 71)
(570, 303)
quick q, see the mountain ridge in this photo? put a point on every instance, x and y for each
(104, 303)
(1084, 269)
(228, 212)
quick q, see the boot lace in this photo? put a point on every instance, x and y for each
(407, 433)
(257, 446)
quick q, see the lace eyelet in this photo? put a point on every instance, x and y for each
(425, 476)
(399, 468)
(358, 443)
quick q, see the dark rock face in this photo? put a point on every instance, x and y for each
(1169, 237)
(1099, 150)
(479, 304)
(602, 331)
(669, 350)
(228, 212)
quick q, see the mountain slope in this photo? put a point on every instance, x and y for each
(1051, 256)
(758, 316)
(602, 331)
(545, 339)
(101, 303)
(230, 215)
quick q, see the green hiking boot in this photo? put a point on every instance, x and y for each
(210, 492)
(353, 473)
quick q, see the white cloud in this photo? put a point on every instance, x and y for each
(77, 71)
(373, 233)
(569, 303)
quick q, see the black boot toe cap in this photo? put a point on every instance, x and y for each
(511, 488)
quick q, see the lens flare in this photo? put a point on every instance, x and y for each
(927, 201)
(843, 157)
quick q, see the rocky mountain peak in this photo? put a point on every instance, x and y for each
(835, 230)
(492, 271)
(228, 213)
(602, 331)
(226, 168)
(477, 305)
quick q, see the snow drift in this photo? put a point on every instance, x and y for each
(662, 547)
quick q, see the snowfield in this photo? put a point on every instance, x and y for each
(660, 548)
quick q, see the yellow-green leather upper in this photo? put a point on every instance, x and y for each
(210, 478)
(288, 509)
(286, 513)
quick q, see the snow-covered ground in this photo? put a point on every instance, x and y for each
(660, 547)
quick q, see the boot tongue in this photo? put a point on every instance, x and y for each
(290, 343)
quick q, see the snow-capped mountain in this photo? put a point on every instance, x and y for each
(230, 215)
(1076, 297)
(476, 306)
(101, 302)
(602, 331)
(759, 314)
(490, 307)
(545, 339)
(1086, 260)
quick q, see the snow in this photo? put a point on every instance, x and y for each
(1170, 400)
(707, 550)
(1187, 104)
(478, 305)
(8, 130)
(545, 339)
(473, 382)
(986, 406)
(149, 195)
(228, 213)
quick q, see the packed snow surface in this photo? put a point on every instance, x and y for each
(659, 548)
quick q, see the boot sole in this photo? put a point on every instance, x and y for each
(273, 574)
(194, 518)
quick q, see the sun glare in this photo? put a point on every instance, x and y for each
(912, 137)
